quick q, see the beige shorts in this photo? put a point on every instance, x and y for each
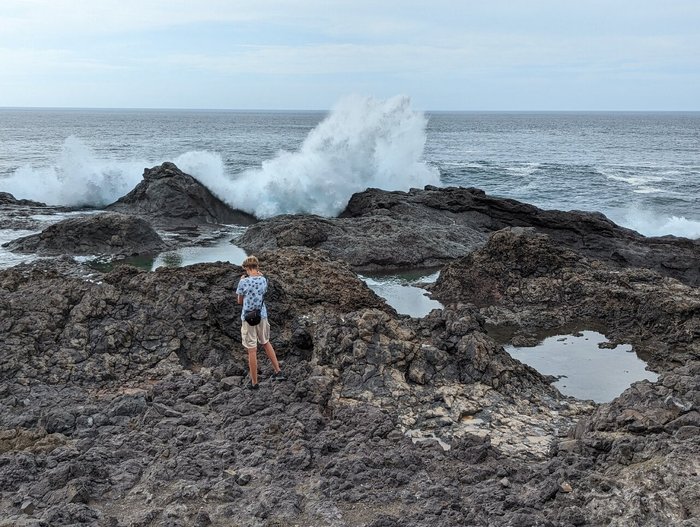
(252, 335)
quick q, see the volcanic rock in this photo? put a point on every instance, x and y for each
(106, 233)
(134, 375)
(20, 214)
(169, 196)
(524, 279)
(8, 199)
(123, 400)
(375, 242)
(423, 228)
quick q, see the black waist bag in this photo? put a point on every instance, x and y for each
(253, 317)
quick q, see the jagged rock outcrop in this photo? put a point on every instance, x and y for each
(643, 447)
(19, 214)
(524, 279)
(123, 400)
(423, 228)
(8, 199)
(105, 233)
(169, 197)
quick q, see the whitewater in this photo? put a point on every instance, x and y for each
(641, 170)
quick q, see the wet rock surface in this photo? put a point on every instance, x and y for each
(644, 441)
(375, 242)
(169, 197)
(421, 228)
(105, 233)
(123, 402)
(21, 214)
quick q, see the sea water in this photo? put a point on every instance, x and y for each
(642, 169)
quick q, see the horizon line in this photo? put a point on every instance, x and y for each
(317, 110)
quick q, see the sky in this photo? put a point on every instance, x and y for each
(307, 54)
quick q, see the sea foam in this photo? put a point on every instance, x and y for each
(364, 142)
(78, 178)
(652, 224)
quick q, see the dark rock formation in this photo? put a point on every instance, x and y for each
(423, 228)
(106, 233)
(18, 214)
(369, 243)
(8, 199)
(523, 279)
(122, 399)
(169, 196)
(122, 403)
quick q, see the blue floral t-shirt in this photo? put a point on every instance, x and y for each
(253, 289)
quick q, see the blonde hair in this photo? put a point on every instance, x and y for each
(251, 262)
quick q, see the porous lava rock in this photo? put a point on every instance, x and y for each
(422, 228)
(123, 402)
(168, 196)
(643, 446)
(105, 233)
(524, 279)
(375, 242)
(123, 399)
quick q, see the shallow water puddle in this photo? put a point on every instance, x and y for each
(223, 252)
(585, 371)
(402, 293)
(220, 251)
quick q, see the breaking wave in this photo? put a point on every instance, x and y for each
(78, 178)
(364, 142)
(652, 224)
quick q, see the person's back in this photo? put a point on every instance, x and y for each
(251, 294)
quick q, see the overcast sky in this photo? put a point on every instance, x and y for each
(305, 54)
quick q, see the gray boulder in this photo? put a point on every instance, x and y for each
(106, 233)
(369, 243)
(169, 196)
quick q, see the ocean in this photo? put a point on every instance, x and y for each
(641, 169)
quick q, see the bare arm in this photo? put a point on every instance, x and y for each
(239, 298)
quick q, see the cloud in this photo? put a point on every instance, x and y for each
(376, 47)
(23, 61)
(474, 52)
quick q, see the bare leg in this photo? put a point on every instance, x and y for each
(270, 352)
(253, 364)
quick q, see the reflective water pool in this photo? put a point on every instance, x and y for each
(585, 370)
(402, 292)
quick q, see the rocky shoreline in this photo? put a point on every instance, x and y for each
(122, 400)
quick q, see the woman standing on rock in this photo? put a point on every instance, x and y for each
(251, 293)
